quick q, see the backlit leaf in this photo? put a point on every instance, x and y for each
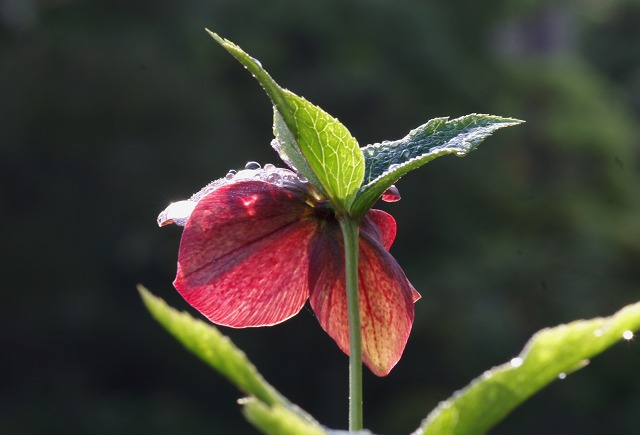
(215, 349)
(386, 162)
(319, 146)
(550, 354)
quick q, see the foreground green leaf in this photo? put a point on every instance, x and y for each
(277, 419)
(268, 408)
(550, 354)
(386, 162)
(319, 146)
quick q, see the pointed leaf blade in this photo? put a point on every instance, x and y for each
(550, 354)
(321, 148)
(212, 347)
(386, 162)
(215, 349)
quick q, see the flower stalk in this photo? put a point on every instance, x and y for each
(350, 233)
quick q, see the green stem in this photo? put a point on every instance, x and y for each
(350, 233)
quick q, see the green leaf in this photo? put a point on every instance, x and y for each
(277, 419)
(386, 162)
(550, 354)
(215, 349)
(318, 145)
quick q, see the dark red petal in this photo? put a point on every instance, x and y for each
(386, 299)
(243, 258)
(380, 226)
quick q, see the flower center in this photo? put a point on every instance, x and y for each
(323, 210)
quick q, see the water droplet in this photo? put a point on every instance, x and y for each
(406, 154)
(461, 153)
(176, 213)
(269, 167)
(290, 178)
(392, 194)
(562, 376)
(302, 178)
(252, 165)
(274, 178)
(516, 362)
(393, 167)
(257, 63)
(231, 174)
(627, 335)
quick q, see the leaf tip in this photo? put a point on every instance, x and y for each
(216, 37)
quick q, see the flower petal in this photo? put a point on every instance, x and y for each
(243, 257)
(386, 297)
(380, 226)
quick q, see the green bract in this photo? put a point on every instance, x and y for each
(386, 162)
(318, 145)
(323, 150)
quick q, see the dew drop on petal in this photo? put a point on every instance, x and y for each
(274, 178)
(231, 174)
(516, 362)
(176, 213)
(252, 165)
(302, 178)
(627, 335)
(406, 154)
(392, 194)
(269, 167)
(562, 376)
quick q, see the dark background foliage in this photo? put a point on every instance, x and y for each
(109, 110)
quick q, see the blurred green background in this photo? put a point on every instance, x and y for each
(109, 110)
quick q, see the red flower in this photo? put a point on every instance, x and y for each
(257, 244)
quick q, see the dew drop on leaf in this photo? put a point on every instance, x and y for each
(516, 362)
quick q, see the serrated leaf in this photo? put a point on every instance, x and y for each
(386, 162)
(550, 354)
(217, 350)
(320, 147)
